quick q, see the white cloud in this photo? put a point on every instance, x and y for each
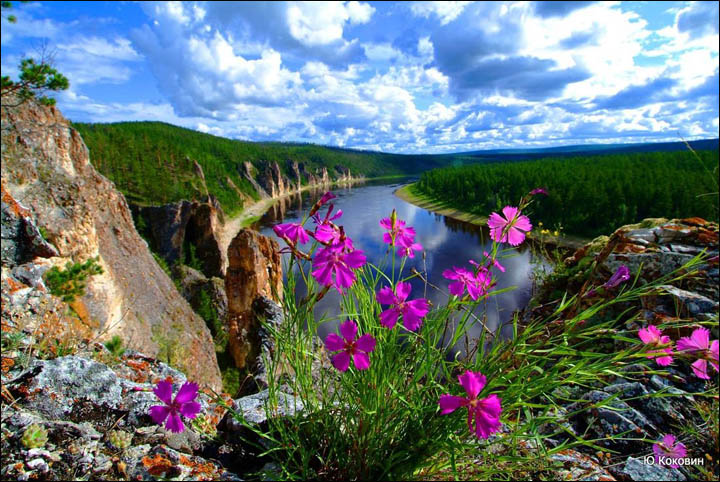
(446, 11)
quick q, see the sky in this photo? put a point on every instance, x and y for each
(403, 77)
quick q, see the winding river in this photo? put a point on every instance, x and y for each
(446, 242)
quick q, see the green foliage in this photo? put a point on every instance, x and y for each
(71, 282)
(35, 79)
(170, 349)
(591, 195)
(35, 436)
(115, 346)
(190, 256)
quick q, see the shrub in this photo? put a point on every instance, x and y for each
(72, 281)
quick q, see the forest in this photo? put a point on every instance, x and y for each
(587, 195)
(152, 162)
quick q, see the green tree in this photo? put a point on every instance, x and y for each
(36, 78)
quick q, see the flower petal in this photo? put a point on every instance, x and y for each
(449, 403)
(362, 361)
(402, 290)
(174, 423)
(496, 221)
(348, 329)
(700, 369)
(523, 222)
(510, 213)
(159, 413)
(187, 393)
(385, 296)
(334, 342)
(388, 318)
(341, 361)
(163, 390)
(190, 409)
(515, 237)
(365, 343)
(472, 382)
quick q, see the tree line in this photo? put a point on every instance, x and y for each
(588, 195)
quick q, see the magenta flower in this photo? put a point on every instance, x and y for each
(412, 311)
(621, 275)
(698, 344)
(350, 347)
(292, 231)
(669, 448)
(409, 251)
(495, 262)
(485, 411)
(509, 228)
(653, 336)
(538, 190)
(334, 261)
(183, 404)
(397, 232)
(476, 285)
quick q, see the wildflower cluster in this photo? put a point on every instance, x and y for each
(697, 347)
(334, 261)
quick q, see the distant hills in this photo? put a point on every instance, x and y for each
(153, 162)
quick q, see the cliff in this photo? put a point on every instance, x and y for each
(45, 166)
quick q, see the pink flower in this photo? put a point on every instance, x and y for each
(397, 232)
(538, 190)
(698, 344)
(183, 404)
(476, 285)
(653, 336)
(412, 311)
(485, 411)
(509, 228)
(350, 347)
(669, 448)
(326, 231)
(293, 232)
(409, 251)
(334, 261)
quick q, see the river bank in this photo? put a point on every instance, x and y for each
(409, 194)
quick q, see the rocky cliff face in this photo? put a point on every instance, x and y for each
(45, 164)
(254, 271)
(176, 229)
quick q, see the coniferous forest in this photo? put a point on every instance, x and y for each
(587, 195)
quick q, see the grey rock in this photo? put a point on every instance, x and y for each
(637, 469)
(252, 408)
(63, 380)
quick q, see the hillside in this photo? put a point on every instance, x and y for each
(153, 163)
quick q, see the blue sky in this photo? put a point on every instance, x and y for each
(398, 77)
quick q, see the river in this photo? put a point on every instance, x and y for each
(446, 242)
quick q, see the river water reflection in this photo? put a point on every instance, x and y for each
(446, 243)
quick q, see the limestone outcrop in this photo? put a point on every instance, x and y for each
(45, 164)
(254, 271)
